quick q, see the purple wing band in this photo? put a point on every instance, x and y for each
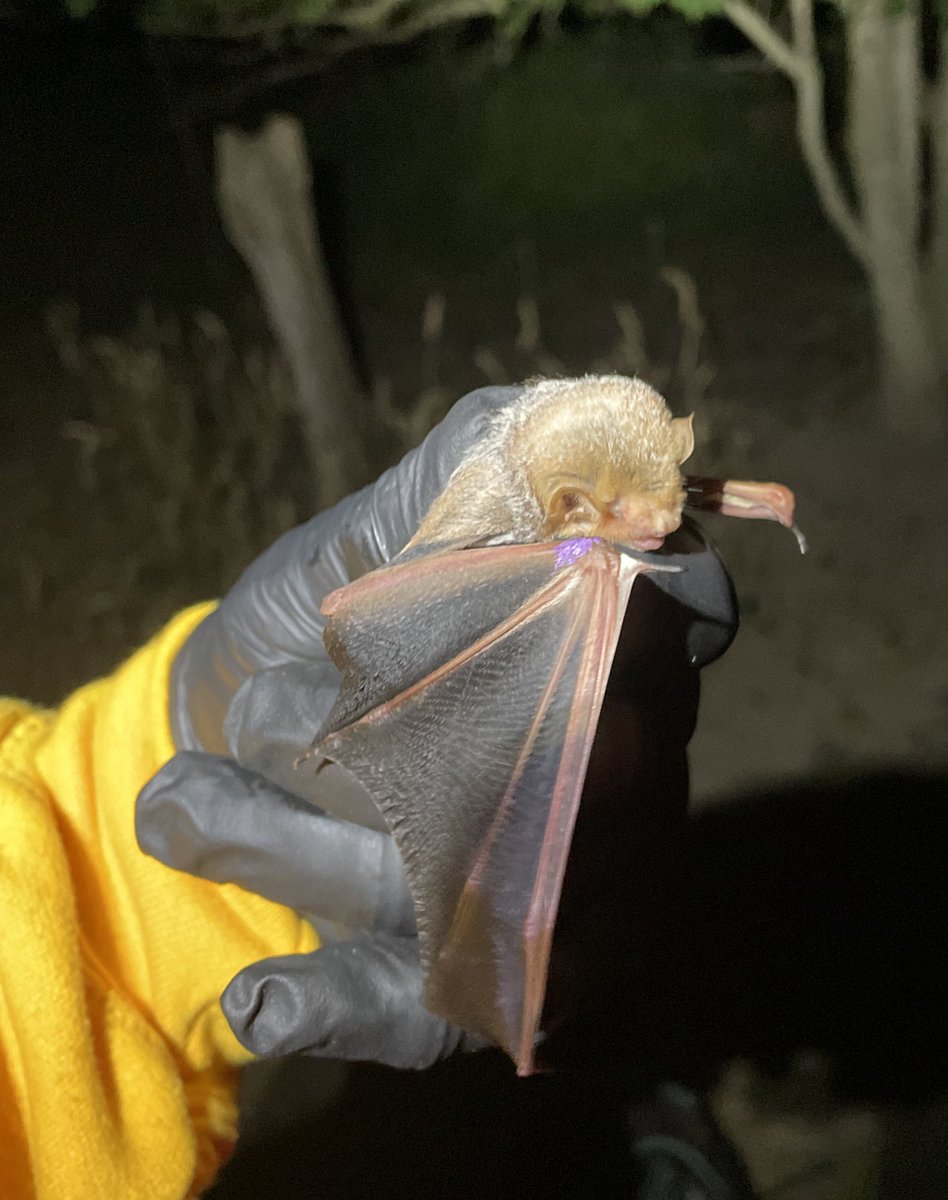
(572, 550)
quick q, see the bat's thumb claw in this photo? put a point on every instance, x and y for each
(313, 751)
(650, 562)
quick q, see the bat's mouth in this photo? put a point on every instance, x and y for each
(653, 542)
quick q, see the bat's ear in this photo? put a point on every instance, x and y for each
(684, 435)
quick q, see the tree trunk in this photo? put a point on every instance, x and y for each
(265, 199)
(938, 249)
(885, 80)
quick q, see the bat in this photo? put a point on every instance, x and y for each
(474, 668)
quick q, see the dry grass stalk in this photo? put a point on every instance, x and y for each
(188, 446)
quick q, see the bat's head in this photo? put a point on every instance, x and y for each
(602, 455)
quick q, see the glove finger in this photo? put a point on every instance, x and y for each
(360, 1001)
(703, 587)
(402, 496)
(211, 817)
(272, 722)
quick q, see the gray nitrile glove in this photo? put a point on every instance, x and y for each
(249, 690)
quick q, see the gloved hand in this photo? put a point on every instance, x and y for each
(249, 690)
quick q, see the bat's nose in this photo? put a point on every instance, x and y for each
(642, 525)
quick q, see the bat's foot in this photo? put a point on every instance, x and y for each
(744, 498)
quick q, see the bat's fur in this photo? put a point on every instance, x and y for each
(613, 435)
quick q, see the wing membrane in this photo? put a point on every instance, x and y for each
(472, 683)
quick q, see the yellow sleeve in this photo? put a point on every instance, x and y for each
(117, 1069)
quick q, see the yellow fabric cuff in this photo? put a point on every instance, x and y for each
(115, 1075)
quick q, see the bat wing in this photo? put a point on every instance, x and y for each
(472, 684)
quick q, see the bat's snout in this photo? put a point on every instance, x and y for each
(634, 521)
(652, 541)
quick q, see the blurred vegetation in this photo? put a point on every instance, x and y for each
(883, 186)
(187, 442)
(185, 453)
(186, 445)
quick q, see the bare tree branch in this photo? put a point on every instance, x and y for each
(757, 29)
(373, 25)
(801, 62)
(221, 99)
(435, 15)
(908, 107)
(811, 132)
(367, 16)
(938, 244)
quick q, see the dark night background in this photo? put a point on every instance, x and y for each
(560, 179)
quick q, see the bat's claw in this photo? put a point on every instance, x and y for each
(311, 752)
